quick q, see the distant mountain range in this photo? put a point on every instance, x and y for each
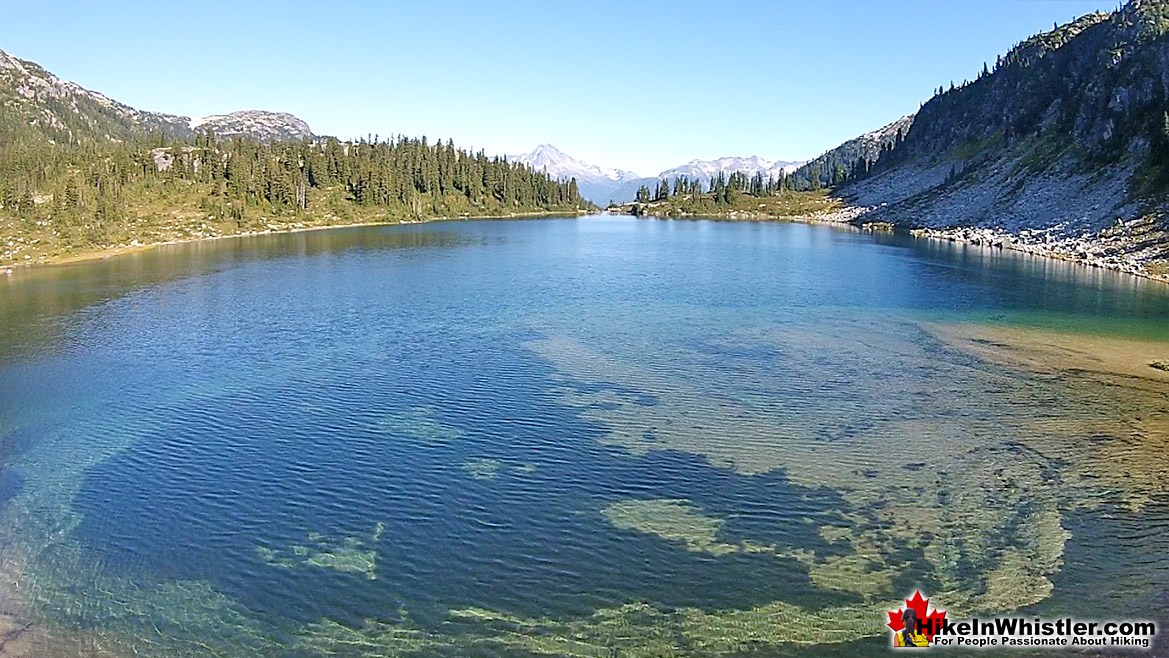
(601, 185)
(706, 169)
(66, 111)
(595, 183)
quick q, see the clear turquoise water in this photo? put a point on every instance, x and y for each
(338, 442)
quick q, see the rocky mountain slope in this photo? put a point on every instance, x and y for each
(1065, 141)
(67, 112)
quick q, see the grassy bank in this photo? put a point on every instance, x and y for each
(742, 206)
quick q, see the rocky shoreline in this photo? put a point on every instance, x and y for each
(1107, 252)
(1135, 247)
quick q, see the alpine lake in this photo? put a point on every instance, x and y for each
(593, 436)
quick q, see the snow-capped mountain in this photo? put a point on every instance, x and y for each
(596, 183)
(601, 185)
(546, 157)
(705, 169)
(66, 111)
(257, 124)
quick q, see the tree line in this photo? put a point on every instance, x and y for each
(50, 177)
(722, 189)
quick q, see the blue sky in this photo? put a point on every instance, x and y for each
(638, 85)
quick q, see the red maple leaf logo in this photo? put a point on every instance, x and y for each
(930, 623)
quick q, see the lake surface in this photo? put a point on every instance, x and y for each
(570, 437)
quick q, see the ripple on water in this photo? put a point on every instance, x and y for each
(375, 454)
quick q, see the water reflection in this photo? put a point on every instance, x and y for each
(33, 300)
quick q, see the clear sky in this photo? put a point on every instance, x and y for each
(641, 85)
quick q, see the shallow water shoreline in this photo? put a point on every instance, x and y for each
(1055, 352)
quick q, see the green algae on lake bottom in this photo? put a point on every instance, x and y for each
(986, 519)
(633, 629)
(973, 484)
(487, 468)
(672, 520)
(482, 468)
(676, 520)
(418, 424)
(351, 554)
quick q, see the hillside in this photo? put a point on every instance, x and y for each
(66, 112)
(1065, 141)
(781, 205)
(82, 174)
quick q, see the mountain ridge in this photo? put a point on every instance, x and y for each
(67, 111)
(595, 183)
(752, 164)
